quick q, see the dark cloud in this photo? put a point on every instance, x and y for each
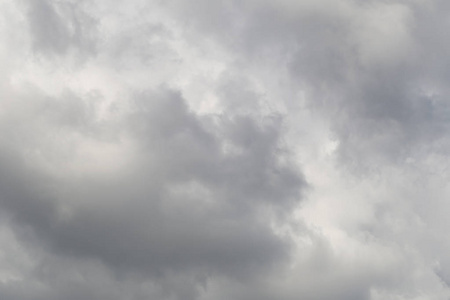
(191, 199)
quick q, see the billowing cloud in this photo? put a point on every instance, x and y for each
(224, 150)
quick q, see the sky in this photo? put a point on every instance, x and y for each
(224, 150)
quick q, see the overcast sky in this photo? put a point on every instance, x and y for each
(224, 150)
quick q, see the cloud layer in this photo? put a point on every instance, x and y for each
(221, 150)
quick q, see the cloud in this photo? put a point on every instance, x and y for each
(56, 27)
(223, 150)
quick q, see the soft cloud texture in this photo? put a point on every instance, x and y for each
(224, 150)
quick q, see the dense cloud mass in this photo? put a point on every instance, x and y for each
(217, 150)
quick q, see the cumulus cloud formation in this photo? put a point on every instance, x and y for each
(219, 150)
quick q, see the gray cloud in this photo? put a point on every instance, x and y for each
(224, 150)
(57, 27)
(192, 197)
